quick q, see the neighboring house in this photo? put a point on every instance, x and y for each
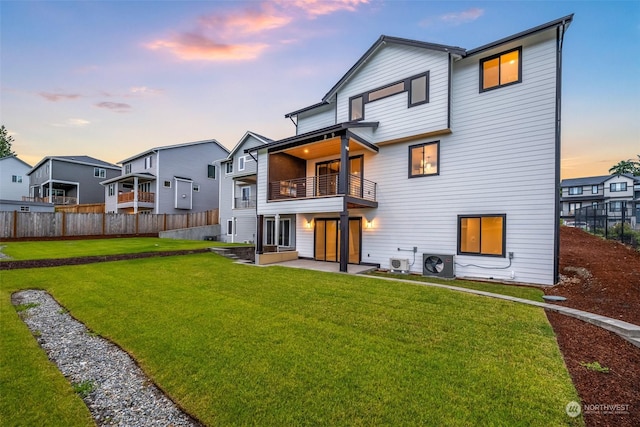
(14, 182)
(427, 149)
(69, 180)
(167, 180)
(25, 206)
(610, 195)
(238, 190)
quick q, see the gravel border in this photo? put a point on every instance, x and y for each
(117, 392)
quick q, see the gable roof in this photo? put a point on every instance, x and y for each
(170, 147)
(81, 160)
(262, 139)
(15, 156)
(594, 180)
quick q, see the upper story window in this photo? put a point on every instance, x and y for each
(501, 70)
(241, 163)
(166, 184)
(148, 162)
(615, 206)
(594, 189)
(618, 186)
(574, 191)
(16, 178)
(99, 172)
(482, 234)
(211, 171)
(229, 167)
(112, 189)
(127, 168)
(424, 159)
(417, 87)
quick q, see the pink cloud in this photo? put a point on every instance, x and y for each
(247, 21)
(465, 16)
(323, 7)
(118, 107)
(193, 46)
(55, 97)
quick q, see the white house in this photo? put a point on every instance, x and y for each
(423, 149)
(172, 179)
(238, 190)
(14, 182)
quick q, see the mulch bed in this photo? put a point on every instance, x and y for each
(602, 277)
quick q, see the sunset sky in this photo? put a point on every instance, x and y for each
(110, 79)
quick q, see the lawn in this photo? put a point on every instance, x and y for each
(238, 344)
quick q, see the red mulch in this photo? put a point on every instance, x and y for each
(603, 277)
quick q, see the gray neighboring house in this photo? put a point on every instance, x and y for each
(611, 192)
(173, 179)
(238, 176)
(69, 180)
(14, 183)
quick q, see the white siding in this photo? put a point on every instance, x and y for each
(316, 119)
(9, 190)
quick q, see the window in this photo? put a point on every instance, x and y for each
(127, 168)
(356, 108)
(574, 191)
(419, 90)
(229, 167)
(386, 91)
(246, 193)
(112, 189)
(574, 206)
(284, 232)
(230, 227)
(594, 189)
(196, 188)
(618, 186)
(482, 235)
(25, 209)
(211, 171)
(615, 206)
(501, 70)
(16, 178)
(167, 184)
(241, 162)
(99, 172)
(424, 159)
(147, 162)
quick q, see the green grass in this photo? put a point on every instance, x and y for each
(524, 292)
(237, 344)
(78, 248)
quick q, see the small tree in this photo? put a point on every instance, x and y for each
(5, 143)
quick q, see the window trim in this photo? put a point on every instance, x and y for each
(230, 223)
(351, 99)
(575, 191)
(594, 189)
(112, 190)
(16, 179)
(195, 188)
(242, 161)
(228, 168)
(424, 144)
(127, 168)
(480, 216)
(99, 173)
(211, 171)
(613, 187)
(498, 55)
(164, 184)
(410, 91)
(148, 162)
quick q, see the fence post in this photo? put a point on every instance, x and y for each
(64, 223)
(624, 214)
(15, 224)
(103, 223)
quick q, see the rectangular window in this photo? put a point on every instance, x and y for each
(419, 90)
(196, 188)
(211, 171)
(147, 162)
(501, 70)
(618, 186)
(246, 193)
(99, 172)
(574, 191)
(615, 206)
(241, 162)
(229, 167)
(386, 91)
(356, 108)
(112, 189)
(167, 184)
(127, 168)
(25, 209)
(16, 178)
(424, 159)
(229, 227)
(574, 206)
(284, 232)
(594, 189)
(482, 235)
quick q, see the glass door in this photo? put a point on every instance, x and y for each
(327, 240)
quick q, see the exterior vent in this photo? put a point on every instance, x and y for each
(399, 265)
(435, 265)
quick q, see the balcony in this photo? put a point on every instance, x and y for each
(360, 191)
(244, 203)
(56, 200)
(143, 197)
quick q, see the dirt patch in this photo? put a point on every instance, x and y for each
(603, 277)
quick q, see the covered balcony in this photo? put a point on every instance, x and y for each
(324, 186)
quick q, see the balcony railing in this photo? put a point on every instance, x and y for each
(321, 186)
(244, 203)
(56, 200)
(143, 197)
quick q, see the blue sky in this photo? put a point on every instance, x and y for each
(110, 79)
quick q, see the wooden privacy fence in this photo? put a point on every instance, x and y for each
(15, 224)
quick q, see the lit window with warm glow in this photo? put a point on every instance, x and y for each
(482, 235)
(501, 70)
(424, 159)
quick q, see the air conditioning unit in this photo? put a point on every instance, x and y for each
(438, 266)
(399, 265)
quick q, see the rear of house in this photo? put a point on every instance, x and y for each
(426, 152)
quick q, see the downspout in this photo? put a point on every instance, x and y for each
(157, 195)
(560, 30)
(343, 189)
(51, 181)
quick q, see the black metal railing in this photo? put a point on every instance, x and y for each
(612, 220)
(322, 186)
(244, 203)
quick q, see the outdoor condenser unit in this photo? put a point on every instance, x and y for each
(399, 265)
(438, 266)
